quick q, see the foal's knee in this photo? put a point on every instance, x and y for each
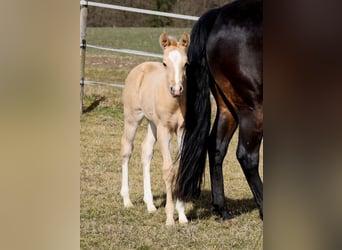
(168, 175)
(126, 148)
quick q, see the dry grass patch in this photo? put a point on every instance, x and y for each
(105, 223)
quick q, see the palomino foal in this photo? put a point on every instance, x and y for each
(156, 91)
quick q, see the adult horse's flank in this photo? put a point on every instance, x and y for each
(225, 55)
(156, 91)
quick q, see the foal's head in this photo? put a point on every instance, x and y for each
(175, 61)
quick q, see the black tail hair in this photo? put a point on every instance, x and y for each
(198, 111)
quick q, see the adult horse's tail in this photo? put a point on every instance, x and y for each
(198, 110)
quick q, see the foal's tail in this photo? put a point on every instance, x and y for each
(198, 111)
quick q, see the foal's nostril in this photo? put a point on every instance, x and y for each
(176, 90)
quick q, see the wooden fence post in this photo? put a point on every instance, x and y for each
(83, 45)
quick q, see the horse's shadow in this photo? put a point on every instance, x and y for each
(94, 104)
(202, 208)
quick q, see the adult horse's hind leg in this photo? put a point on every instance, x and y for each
(146, 157)
(132, 122)
(250, 136)
(223, 129)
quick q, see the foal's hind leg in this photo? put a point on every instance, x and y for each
(130, 128)
(146, 157)
(250, 136)
(223, 129)
(180, 205)
(164, 138)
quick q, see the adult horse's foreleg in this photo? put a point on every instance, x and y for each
(250, 136)
(130, 128)
(164, 138)
(222, 131)
(146, 157)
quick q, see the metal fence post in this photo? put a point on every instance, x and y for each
(83, 44)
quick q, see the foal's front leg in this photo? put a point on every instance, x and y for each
(164, 138)
(130, 129)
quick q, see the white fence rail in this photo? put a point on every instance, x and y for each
(142, 11)
(83, 45)
(105, 83)
(127, 51)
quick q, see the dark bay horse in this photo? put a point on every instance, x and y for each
(225, 56)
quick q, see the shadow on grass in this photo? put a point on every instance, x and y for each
(94, 104)
(159, 200)
(202, 208)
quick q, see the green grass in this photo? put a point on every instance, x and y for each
(146, 39)
(105, 223)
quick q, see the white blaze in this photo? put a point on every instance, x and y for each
(176, 59)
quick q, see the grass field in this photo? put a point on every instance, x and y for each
(105, 223)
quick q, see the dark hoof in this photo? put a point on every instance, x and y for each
(228, 222)
(225, 216)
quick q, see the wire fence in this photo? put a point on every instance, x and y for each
(83, 44)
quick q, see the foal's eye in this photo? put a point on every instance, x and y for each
(164, 64)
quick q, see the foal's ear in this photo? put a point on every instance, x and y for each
(184, 41)
(164, 40)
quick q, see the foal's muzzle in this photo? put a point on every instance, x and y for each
(176, 91)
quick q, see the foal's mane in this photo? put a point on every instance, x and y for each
(173, 41)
